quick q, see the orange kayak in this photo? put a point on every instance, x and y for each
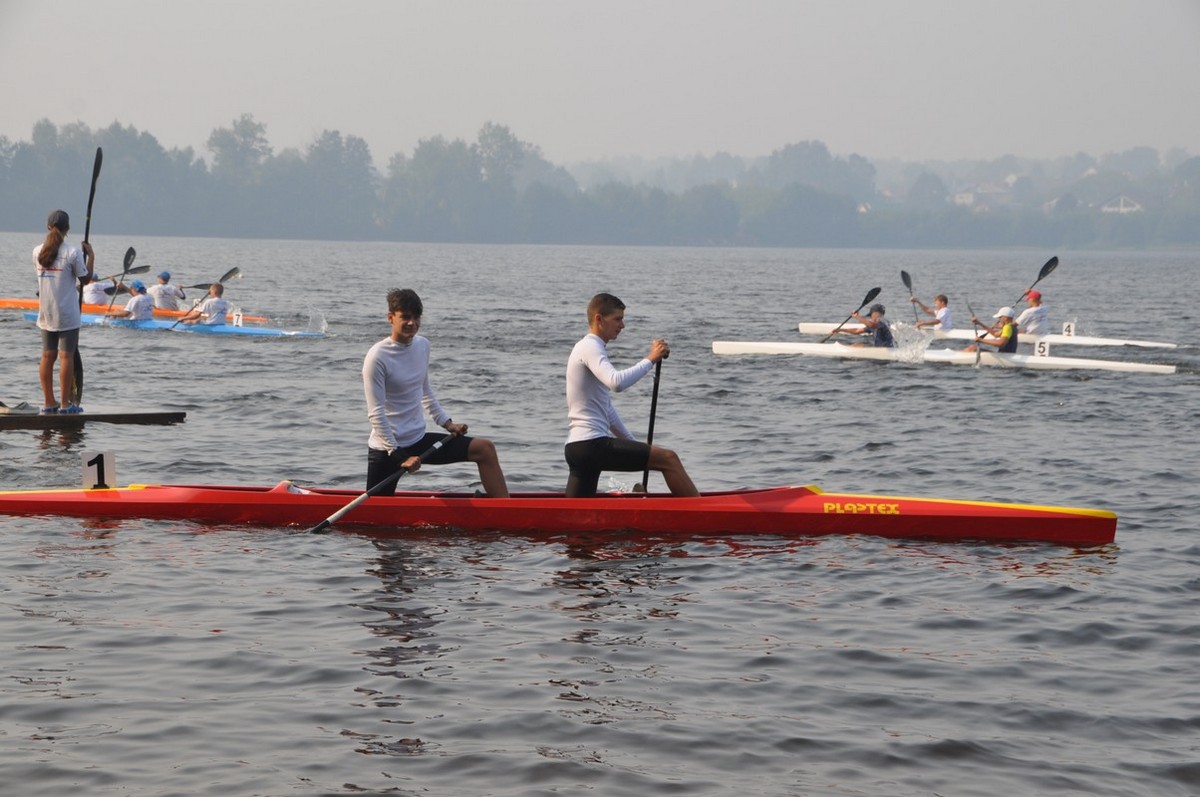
(32, 304)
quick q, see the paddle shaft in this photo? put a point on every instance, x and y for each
(871, 294)
(650, 430)
(77, 368)
(376, 489)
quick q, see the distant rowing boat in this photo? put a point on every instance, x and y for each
(103, 309)
(90, 319)
(946, 356)
(820, 328)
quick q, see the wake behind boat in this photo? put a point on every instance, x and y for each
(947, 356)
(91, 319)
(822, 328)
(796, 511)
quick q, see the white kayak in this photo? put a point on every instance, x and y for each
(819, 328)
(949, 356)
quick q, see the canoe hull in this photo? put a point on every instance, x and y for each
(944, 356)
(788, 511)
(824, 328)
(91, 319)
(104, 309)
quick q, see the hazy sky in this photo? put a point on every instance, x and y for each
(911, 79)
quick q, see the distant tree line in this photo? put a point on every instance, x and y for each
(500, 189)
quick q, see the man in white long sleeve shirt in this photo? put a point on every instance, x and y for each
(597, 439)
(396, 384)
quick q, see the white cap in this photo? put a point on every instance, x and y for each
(1004, 311)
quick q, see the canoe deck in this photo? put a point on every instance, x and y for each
(794, 511)
(25, 416)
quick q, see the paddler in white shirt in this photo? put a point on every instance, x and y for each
(212, 311)
(396, 383)
(1033, 320)
(597, 439)
(942, 320)
(138, 308)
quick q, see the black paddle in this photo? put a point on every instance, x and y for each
(77, 389)
(122, 289)
(233, 273)
(871, 294)
(376, 490)
(1051, 264)
(130, 254)
(907, 280)
(645, 485)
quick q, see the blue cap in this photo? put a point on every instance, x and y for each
(137, 286)
(164, 275)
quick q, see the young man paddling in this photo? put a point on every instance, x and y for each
(1003, 332)
(942, 320)
(1033, 320)
(873, 324)
(396, 383)
(597, 440)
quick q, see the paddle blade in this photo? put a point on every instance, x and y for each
(871, 294)
(1051, 264)
(907, 280)
(130, 254)
(138, 270)
(233, 273)
(203, 286)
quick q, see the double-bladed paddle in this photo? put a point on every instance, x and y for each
(77, 388)
(1051, 264)
(871, 294)
(377, 489)
(233, 273)
(907, 280)
(130, 254)
(121, 289)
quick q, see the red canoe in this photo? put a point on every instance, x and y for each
(787, 511)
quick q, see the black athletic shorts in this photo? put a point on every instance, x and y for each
(66, 341)
(380, 465)
(586, 458)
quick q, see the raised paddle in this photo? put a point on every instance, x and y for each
(871, 294)
(645, 485)
(907, 280)
(77, 388)
(130, 254)
(1051, 264)
(376, 490)
(130, 272)
(233, 273)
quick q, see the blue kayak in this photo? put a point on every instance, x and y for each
(91, 319)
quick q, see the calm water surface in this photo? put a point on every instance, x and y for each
(157, 658)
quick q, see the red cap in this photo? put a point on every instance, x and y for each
(1034, 295)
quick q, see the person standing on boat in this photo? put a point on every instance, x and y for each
(213, 310)
(59, 270)
(1004, 333)
(597, 439)
(943, 319)
(165, 295)
(396, 383)
(138, 308)
(875, 325)
(1033, 320)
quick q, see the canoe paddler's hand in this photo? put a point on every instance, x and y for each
(411, 464)
(659, 350)
(459, 429)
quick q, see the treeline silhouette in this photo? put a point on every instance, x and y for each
(499, 189)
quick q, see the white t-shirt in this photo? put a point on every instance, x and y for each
(945, 319)
(140, 307)
(58, 307)
(1034, 321)
(93, 292)
(165, 295)
(590, 377)
(214, 309)
(396, 385)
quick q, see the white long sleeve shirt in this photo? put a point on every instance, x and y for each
(396, 384)
(590, 377)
